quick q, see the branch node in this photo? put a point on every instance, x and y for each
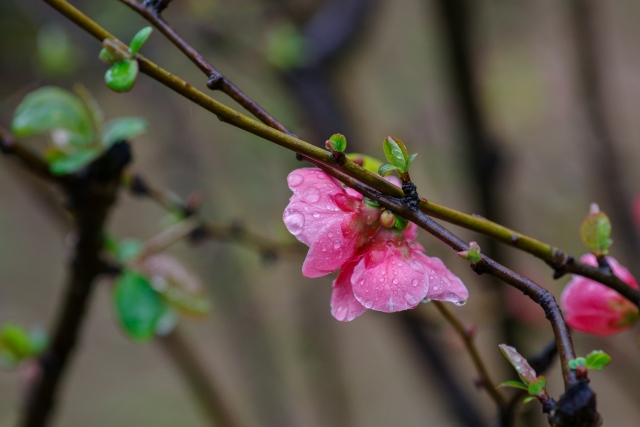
(156, 5)
(411, 198)
(215, 81)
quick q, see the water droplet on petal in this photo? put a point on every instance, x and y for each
(461, 303)
(435, 288)
(395, 281)
(330, 234)
(316, 214)
(426, 300)
(414, 282)
(294, 180)
(312, 195)
(294, 222)
(417, 266)
(381, 279)
(336, 244)
(324, 249)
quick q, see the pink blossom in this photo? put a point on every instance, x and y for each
(334, 222)
(596, 309)
(391, 274)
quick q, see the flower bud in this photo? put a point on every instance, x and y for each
(387, 219)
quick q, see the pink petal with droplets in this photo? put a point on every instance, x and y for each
(389, 284)
(305, 221)
(314, 187)
(344, 305)
(443, 284)
(329, 250)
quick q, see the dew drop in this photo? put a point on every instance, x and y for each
(294, 180)
(330, 234)
(324, 249)
(461, 303)
(384, 273)
(426, 300)
(294, 222)
(414, 282)
(435, 288)
(417, 266)
(312, 195)
(336, 244)
(315, 214)
(395, 281)
(381, 279)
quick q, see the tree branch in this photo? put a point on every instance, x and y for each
(92, 197)
(484, 379)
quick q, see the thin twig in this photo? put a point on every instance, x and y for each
(217, 81)
(194, 373)
(467, 338)
(553, 256)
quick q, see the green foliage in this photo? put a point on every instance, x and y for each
(17, 344)
(537, 387)
(122, 75)
(397, 156)
(128, 249)
(138, 306)
(521, 365)
(73, 123)
(285, 47)
(139, 39)
(367, 162)
(514, 384)
(122, 129)
(401, 223)
(596, 231)
(337, 142)
(473, 254)
(56, 54)
(113, 51)
(596, 360)
(50, 108)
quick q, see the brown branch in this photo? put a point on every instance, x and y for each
(195, 375)
(217, 81)
(32, 161)
(92, 198)
(467, 338)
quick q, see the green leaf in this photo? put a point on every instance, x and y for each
(578, 361)
(114, 51)
(521, 365)
(50, 108)
(514, 384)
(367, 162)
(528, 399)
(338, 142)
(386, 169)
(401, 223)
(411, 158)
(15, 341)
(394, 153)
(596, 231)
(537, 387)
(91, 105)
(122, 75)
(597, 360)
(122, 129)
(138, 306)
(56, 54)
(128, 249)
(139, 39)
(285, 47)
(74, 161)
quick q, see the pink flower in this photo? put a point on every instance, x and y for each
(391, 274)
(334, 222)
(596, 309)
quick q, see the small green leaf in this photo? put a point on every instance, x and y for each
(386, 169)
(514, 384)
(285, 47)
(15, 341)
(138, 306)
(128, 249)
(139, 39)
(596, 231)
(578, 361)
(528, 399)
(411, 158)
(367, 162)
(394, 153)
(56, 53)
(114, 51)
(537, 387)
(401, 223)
(337, 142)
(473, 254)
(521, 365)
(122, 129)
(50, 108)
(74, 161)
(597, 360)
(122, 75)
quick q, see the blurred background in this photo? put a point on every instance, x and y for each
(522, 111)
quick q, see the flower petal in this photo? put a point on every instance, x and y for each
(344, 305)
(390, 285)
(443, 284)
(315, 187)
(305, 221)
(329, 250)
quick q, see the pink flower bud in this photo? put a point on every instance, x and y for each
(387, 219)
(596, 309)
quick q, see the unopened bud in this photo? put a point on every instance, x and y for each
(472, 254)
(337, 143)
(387, 219)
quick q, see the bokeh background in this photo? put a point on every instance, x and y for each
(546, 124)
